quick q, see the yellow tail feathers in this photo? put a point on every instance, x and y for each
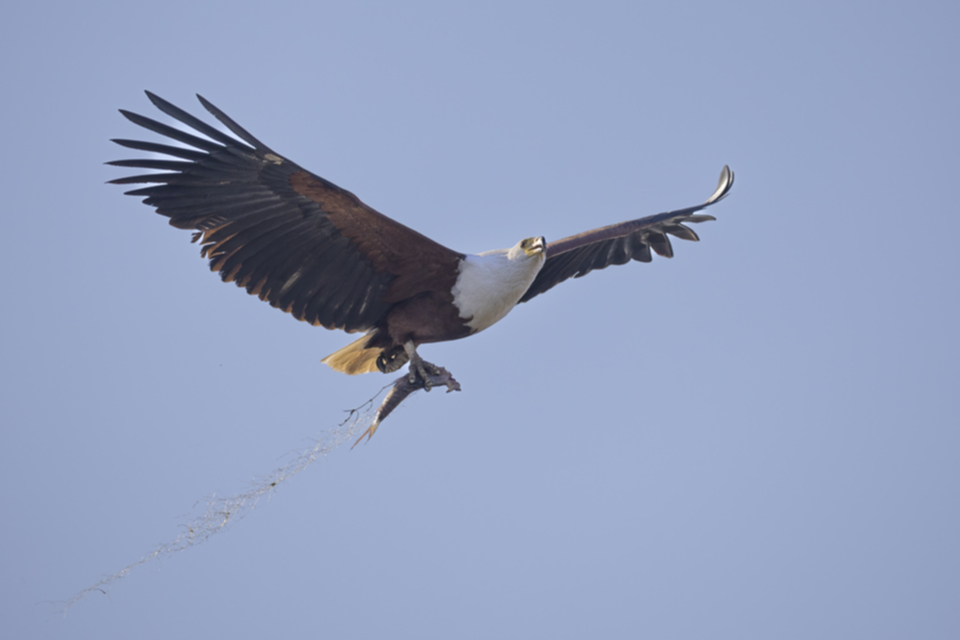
(355, 358)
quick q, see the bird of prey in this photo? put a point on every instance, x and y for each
(316, 251)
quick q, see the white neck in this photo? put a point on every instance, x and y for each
(491, 284)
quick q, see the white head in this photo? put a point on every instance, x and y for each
(529, 248)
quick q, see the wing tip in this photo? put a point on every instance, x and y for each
(724, 185)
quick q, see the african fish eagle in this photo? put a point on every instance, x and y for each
(316, 251)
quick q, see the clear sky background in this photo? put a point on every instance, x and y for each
(756, 439)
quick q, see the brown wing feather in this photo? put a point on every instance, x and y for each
(578, 255)
(298, 241)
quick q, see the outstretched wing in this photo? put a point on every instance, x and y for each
(578, 255)
(298, 241)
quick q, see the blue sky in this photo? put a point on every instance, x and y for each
(758, 438)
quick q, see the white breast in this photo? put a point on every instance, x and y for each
(491, 284)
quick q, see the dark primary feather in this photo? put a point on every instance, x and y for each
(578, 255)
(290, 237)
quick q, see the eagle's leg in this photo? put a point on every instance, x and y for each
(420, 369)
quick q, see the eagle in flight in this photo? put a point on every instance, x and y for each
(316, 251)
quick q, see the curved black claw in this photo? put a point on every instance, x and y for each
(423, 373)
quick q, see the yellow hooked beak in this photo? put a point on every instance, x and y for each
(534, 246)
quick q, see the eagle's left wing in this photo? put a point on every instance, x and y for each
(578, 255)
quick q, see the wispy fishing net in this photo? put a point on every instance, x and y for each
(215, 514)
